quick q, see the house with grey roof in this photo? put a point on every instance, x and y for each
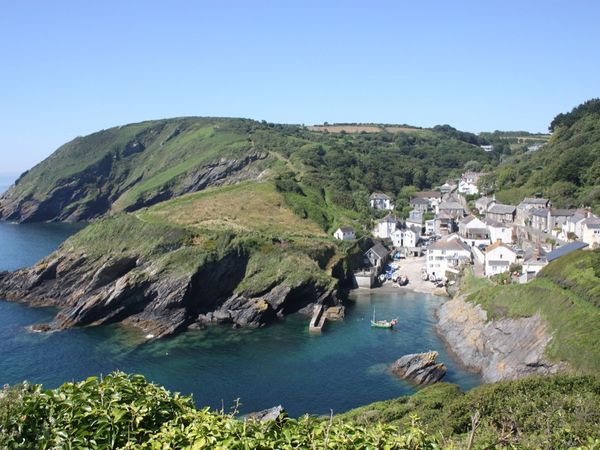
(378, 200)
(502, 213)
(377, 256)
(483, 203)
(590, 230)
(565, 250)
(420, 204)
(344, 234)
(453, 208)
(447, 254)
(527, 206)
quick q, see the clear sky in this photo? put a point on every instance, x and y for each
(69, 68)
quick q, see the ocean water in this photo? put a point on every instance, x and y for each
(345, 367)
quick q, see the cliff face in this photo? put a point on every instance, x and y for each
(92, 192)
(140, 292)
(505, 349)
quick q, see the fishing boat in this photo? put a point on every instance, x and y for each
(383, 323)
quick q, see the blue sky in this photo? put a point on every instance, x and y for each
(69, 68)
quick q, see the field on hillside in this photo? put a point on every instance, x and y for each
(363, 128)
(247, 206)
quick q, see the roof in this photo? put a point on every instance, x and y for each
(379, 195)
(535, 201)
(533, 256)
(499, 208)
(562, 212)
(444, 215)
(540, 212)
(379, 250)
(419, 200)
(347, 229)
(493, 223)
(592, 222)
(451, 242)
(415, 229)
(450, 205)
(388, 219)
(424, 194)
(565, 250)
(496, 245)
(484, 201)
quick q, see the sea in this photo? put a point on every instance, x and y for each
(283, 364)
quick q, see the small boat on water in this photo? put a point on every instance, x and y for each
(383, 323)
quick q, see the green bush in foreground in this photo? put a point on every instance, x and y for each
(121, 411)
(125, 411)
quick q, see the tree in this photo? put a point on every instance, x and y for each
(473, 166)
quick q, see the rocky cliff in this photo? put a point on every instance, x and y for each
(164, 279)
(505, 349)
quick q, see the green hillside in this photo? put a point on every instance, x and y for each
(567, 295)
(567, 169)
(132, 166)
(127, 412)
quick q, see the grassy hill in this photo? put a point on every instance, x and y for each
(567, 295)
(132, 166)
(567, 169)
(122, 411)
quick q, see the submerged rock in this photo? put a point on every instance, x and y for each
(420, 368)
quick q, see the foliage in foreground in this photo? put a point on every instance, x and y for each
(125, 411)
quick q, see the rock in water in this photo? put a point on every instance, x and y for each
(266, 414)
(420, 368)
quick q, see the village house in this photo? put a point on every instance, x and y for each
(377, 256)
(572, 227)
(444, 224)
(344, 234)
(415, 217)
(487, 148)
(539, 219)
(502, 213)
(498, 258)
(558, 217)
(447, 254)
(378, 200)
(386, 226)
(446, 189)
(433, 197)
(590, 231)
(406, 237)
(499, 231)
(468, 183)
(430, 227)
(483, 203)
(527, 206)
(534, 260)
(453, 208)
(474, 231)
(420, 204)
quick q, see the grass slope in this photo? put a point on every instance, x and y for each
(566, 294)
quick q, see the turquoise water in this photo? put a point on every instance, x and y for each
(282, 364)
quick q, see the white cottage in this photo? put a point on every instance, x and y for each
(499, 231)
(498, 258)
(386, 226)
(377, 200)
(447, 253)
(406, 237)
(344, 234)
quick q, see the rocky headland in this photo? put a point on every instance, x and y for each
(420, 368)
(505, 349)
